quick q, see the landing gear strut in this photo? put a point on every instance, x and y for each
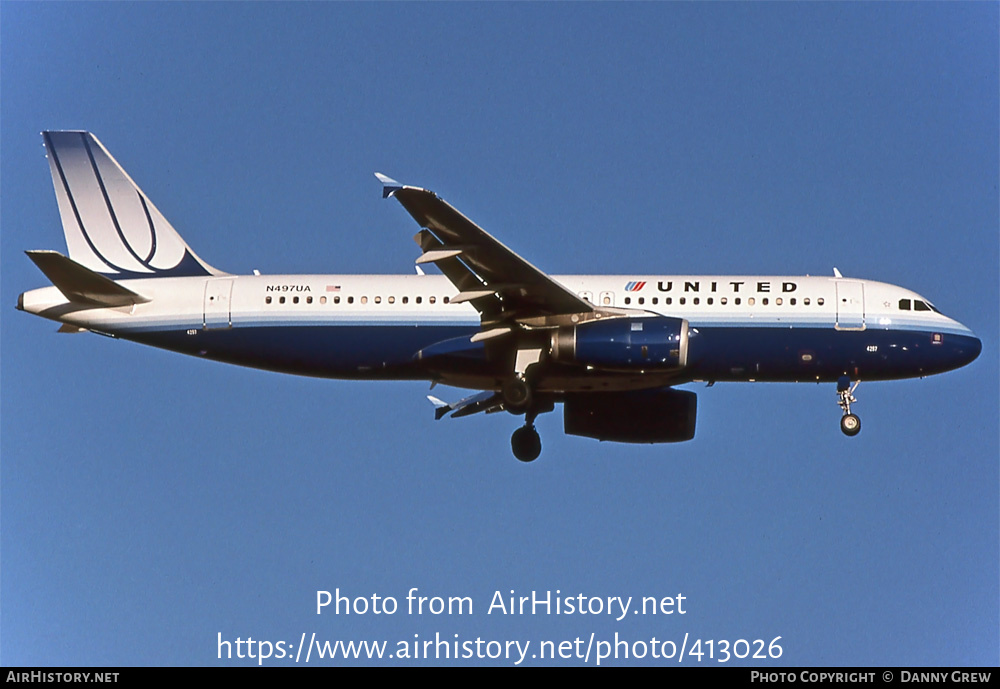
(850, 424)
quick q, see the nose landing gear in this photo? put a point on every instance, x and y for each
(850, 423)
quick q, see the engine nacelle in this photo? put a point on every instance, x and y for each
(642, 416)
(656, 342)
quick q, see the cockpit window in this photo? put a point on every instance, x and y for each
(920, 306)
(904, 304)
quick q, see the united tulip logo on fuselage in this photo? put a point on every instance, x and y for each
(635, 286)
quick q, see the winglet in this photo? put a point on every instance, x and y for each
(440, 407)
(389, 185)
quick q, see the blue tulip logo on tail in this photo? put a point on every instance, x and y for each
(111, 226)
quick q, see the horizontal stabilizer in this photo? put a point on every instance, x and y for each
(80, 284)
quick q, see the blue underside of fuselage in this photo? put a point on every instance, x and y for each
(716, 353)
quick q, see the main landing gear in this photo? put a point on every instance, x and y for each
(525, 442)
(850, 424)
(519, 398)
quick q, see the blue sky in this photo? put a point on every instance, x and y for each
(151, 501)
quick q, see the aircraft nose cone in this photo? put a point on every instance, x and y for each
(975, 347)
(965, 349)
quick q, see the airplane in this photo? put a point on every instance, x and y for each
(610, 349)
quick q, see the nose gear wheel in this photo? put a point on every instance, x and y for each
(850, 424)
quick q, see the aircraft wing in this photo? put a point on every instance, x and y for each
(494, 279)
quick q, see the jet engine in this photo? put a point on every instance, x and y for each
(656, 342)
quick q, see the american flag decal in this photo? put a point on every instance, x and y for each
(635, 286)
(333, 288)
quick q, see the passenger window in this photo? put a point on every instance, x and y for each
(309, 300)
(406, 300)
(431, 300)
(642, 300)
(447, 299)
(724, 301)
(350, 300)
(281, 300)
(378, 300)
(295, 300)
(697, 301)
(656, 301)
(669, 300)
(736, 301)
(322, 300)
(682, 300)
(419, 299)
(764, 301)
(777, 302)
(819, 302)
(364, 300)
(751, 301)
(392, 300)
(805, 302)
(267, 300)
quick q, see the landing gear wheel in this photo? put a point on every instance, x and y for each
(850, 424)
(526, 444)
(516, 394)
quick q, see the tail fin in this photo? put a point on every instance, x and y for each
(111, 227)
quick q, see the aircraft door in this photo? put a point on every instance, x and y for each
(850, 305)
(218, 309)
